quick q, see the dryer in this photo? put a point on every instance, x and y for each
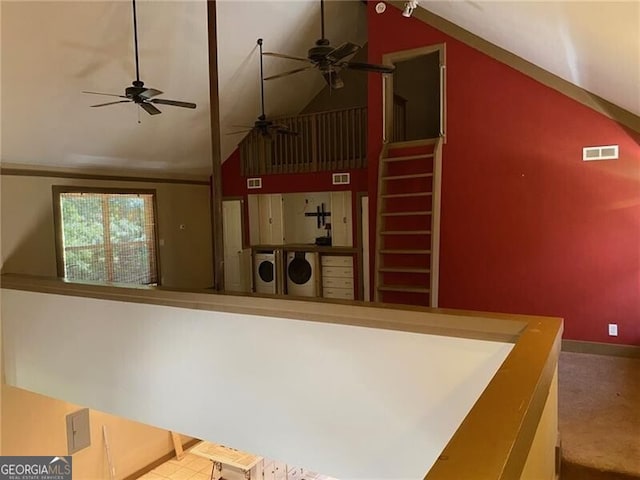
(301, 274)
(264, 271)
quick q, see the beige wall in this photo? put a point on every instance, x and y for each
(28, 235)
(35, 425)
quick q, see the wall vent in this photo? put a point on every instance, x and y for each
(607, 152)
(341, 178)
(254, 182)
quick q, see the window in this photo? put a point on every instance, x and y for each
(106, 235)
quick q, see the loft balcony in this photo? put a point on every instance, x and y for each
(331, 140)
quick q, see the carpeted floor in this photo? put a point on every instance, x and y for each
(599, 416)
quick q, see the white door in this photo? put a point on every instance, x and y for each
(270, 221)
(341, 219)
(232, 237)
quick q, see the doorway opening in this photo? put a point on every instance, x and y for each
(414, 96)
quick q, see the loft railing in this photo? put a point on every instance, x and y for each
(333, 140)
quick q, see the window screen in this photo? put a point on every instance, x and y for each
(108, 237)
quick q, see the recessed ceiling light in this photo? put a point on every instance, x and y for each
(381, 7)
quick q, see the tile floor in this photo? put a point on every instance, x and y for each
(191, 467)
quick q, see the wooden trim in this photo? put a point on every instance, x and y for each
(359, 234)
(216, 155)
(57, 225)
(382, 167)
(27, 172)
(165, 458)
(591, 100)
(435, 223)
(56, 190)
(597, 348)
(387, 89)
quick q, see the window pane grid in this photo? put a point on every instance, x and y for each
(109, 237)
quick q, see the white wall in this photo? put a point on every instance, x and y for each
(351, 402)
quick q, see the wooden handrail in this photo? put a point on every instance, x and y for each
(330, 140)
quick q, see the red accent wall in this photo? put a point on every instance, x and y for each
(235, 185)
(527, 226)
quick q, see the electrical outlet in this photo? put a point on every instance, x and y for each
(613, 329)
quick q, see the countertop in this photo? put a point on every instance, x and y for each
(307, 247)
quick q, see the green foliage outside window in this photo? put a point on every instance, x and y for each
(108, 237)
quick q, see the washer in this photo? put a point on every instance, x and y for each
(264, 271)
(301, 274)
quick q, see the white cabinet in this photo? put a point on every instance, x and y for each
(341, 219)
(265, 219)
(337, 276)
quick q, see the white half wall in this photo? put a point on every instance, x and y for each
(350, 402)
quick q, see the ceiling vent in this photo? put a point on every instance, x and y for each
(341, 178)
(607, 152)
(254, 183)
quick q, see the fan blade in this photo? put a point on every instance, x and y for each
(342, 51)
(175, 103)
(106, 94)
(281, 129)
(238, 132)
(333, 79)
(368, 67)
(110, 103)
(280, 55)
(150, 109)
(242, 126)
(290, 72)
(149, 92)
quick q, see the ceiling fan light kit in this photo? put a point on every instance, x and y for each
(329, 60)
(137, 92)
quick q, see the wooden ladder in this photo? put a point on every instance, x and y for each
(408, 223)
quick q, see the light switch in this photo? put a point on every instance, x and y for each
(78, 432)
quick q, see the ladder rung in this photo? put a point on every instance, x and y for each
(406, 252)
(403, 195)
(404, 214)
(402, 288)
(409, 157)
(404, 270)
(413, 175)
(406, 232)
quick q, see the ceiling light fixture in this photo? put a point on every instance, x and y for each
(409, 7)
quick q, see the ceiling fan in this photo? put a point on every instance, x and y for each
(138, 93)
(262, 125)
(330, 60)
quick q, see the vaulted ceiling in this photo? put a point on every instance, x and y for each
(53, 50)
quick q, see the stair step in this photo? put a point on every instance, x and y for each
(405, 252)
(403, 288)
(406, 232)
(408, 157)
(404, 214)
(413, 175)
(404, 270)
(405, 195)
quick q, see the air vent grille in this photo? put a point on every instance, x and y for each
(341, 178)
(606, 152)
(254, 182)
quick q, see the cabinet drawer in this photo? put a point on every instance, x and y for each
(337, 272)
(337, 260)
(343, 293)
(339, 282)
